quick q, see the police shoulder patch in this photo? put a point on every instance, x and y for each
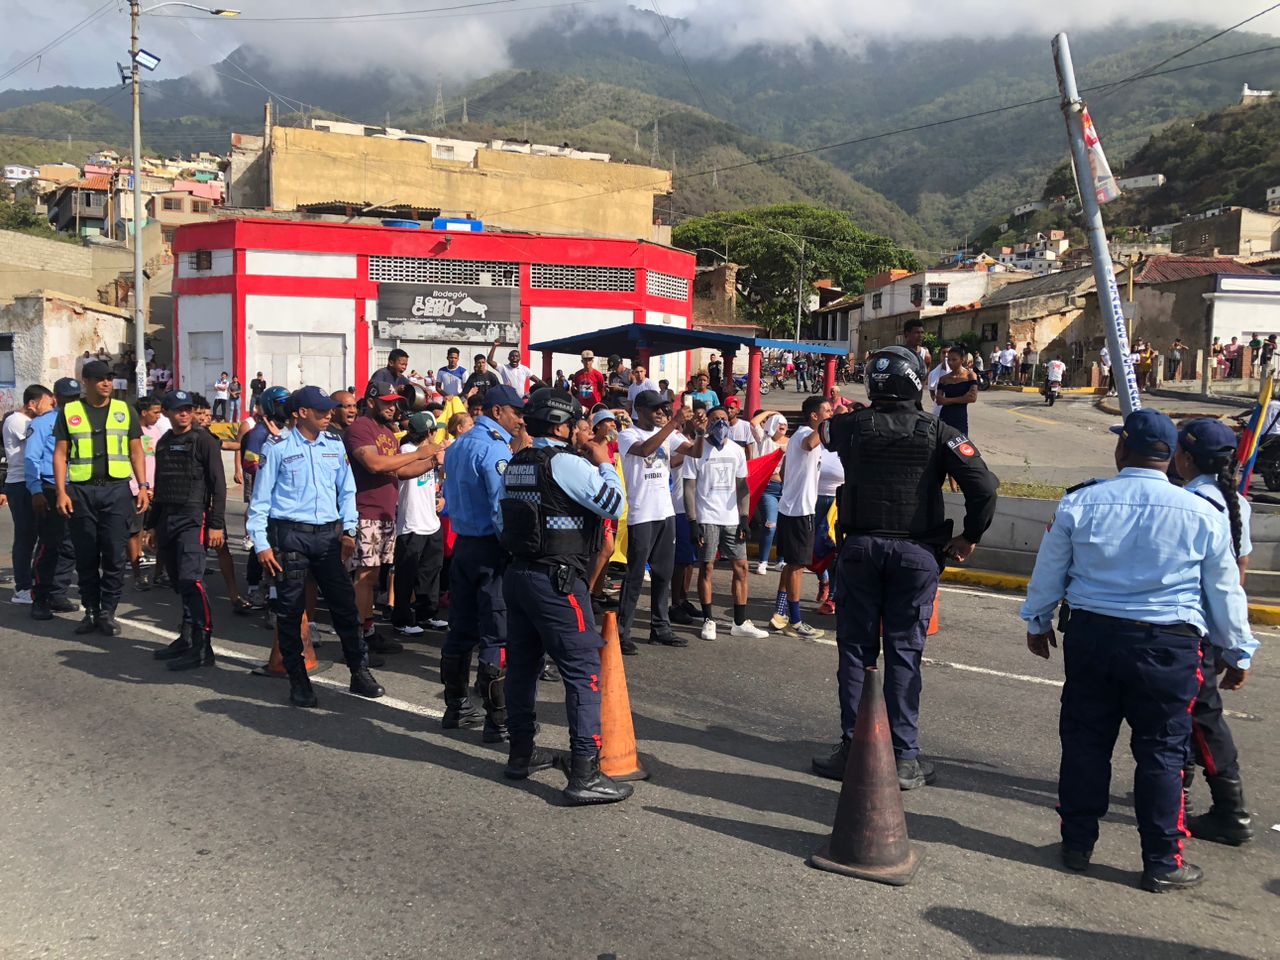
(962, 446)
(279, 439)
(501, 466)
(494, 434)
(1081, 486)
(333, 434)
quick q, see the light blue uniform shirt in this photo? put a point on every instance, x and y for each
(1207, 486)
(302, 481)
(473, 469)
(598, 488)
(37, 456)
(1138, 548)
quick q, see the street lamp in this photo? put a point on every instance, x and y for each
(139, 300)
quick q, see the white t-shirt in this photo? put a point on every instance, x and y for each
(517, 377)
(685, 472)
(800, 476)
(717, 474)
(741, 432)
(1008, 357)
(416, 508)
(1054, 369)
(648, 479)
(15, 443)
(451, 381)
(221, 390)
(1104, 358)
(830, 473)
(636, 388)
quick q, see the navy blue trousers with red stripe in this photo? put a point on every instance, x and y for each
(180, 544)
(541, 620)
(1147, 676)
(477, 610)
(1211, 740)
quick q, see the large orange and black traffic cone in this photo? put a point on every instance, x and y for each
(933, 618)
(869, 840)
(274, 667)
(618, 756)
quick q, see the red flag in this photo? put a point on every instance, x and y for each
(759, 472)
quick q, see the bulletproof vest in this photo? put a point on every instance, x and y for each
(179, 476)
(540, 522)
(892, 487)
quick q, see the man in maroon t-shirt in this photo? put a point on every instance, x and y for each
(588, 383)
(378, 466)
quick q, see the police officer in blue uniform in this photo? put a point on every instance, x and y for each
(304, 493)
(55, 558)
(188, 511)
(552, 504)
(1148, 571)
(1206, 461)
(473, 468)
(895, 538)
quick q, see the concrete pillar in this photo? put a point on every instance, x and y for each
(548, 375)
(727, 387)
(753, 380)
(829, 377)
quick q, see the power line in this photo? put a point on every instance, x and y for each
(65, 35)
(683, 62)
(426, 13)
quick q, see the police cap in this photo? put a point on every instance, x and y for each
(177, 400)
(1148, 433)
(313, 398)
(96, 370)
(67, 387)
(502, 396)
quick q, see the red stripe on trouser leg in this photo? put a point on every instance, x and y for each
(599, 742)
(595, 683)
(502, 658)
(573, 602)
(1182, 794)
(208, 615)
(1210, 767)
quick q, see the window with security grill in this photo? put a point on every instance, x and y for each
(666, 285)
(469, 273)
(550, 276)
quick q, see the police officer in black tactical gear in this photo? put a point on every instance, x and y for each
(552, 504)
(896, 537)
(187, 514)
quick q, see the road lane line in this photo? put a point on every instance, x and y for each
(1017, 412)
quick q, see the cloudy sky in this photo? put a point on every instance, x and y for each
(411, 34)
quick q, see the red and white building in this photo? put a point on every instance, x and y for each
(324, 303)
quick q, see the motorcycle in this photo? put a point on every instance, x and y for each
(1267, 463)
(741, 383)
(1051, 391)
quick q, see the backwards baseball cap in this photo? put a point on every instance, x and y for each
(648, 400)
(732, 402)
(503, 396)
(96, 370)
(179, 398)
(67, 387)
(378, 391)
(1207, 439)
(423, 422)
(1144, 431)
(313, 398)
(602, 416)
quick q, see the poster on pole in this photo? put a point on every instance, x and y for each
(1103, 182)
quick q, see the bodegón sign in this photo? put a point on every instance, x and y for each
(451, 314)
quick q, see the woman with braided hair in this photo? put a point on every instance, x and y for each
(1206, 460)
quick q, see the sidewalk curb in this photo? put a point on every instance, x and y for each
(1262, 613)
(1114, 410)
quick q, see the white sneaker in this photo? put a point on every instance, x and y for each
(778, 621)
(803, 631)
(778, 567)
(408, 631)
(762, 568)
(748, 629)
(647, 578)
(708, 630)
(247, 543)
(21, 596)
(435, 624)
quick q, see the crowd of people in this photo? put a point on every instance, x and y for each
(511, 494)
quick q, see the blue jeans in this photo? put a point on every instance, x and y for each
(24, 533)
(235, 410)
(768, 513)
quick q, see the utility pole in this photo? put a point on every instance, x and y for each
(1104, 276)
(437, 118)
(800, 290)
(653, 152)
(465, 118)
(139, 213)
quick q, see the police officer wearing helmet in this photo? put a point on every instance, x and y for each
(553, 502)
(98, 451)
(1148, 572)
(304, 494)
(895, 538)
(187, 514)
(473, 469)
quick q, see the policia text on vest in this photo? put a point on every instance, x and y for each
(98, 450)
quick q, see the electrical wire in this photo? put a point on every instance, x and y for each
(392, 16)
(60, 38)
(683, 62)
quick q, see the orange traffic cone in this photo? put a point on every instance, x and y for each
(869, 840)
(933, 618)
(618, 757)
(274, 667)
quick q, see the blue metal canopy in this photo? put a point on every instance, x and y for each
(626, 340)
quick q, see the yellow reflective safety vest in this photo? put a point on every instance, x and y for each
(81, 449)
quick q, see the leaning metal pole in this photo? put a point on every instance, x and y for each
(1104, 274)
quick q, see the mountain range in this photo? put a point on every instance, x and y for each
(963, 160)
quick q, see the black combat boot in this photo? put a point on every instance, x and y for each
(300, 692)
(363, 684)
(199, 654)
(459, 711)
(1184, 878)
(106, 622)
(832, 766)
(588, 785)
(178, 647)
(63, 605)
(1227, 820)
(40, 609)
(525, 759)
(550, 672)
(493, 694)
(89, 623)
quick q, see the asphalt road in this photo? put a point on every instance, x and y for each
(197, 815)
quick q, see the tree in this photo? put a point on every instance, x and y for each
(21, 216)
(766, 243)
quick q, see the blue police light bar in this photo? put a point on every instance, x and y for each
(457, 224)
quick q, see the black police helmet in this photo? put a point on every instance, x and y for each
(894, 373)
(273, 402)
(550, 407)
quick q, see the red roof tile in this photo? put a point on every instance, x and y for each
(96, 182)
(1166, 269)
